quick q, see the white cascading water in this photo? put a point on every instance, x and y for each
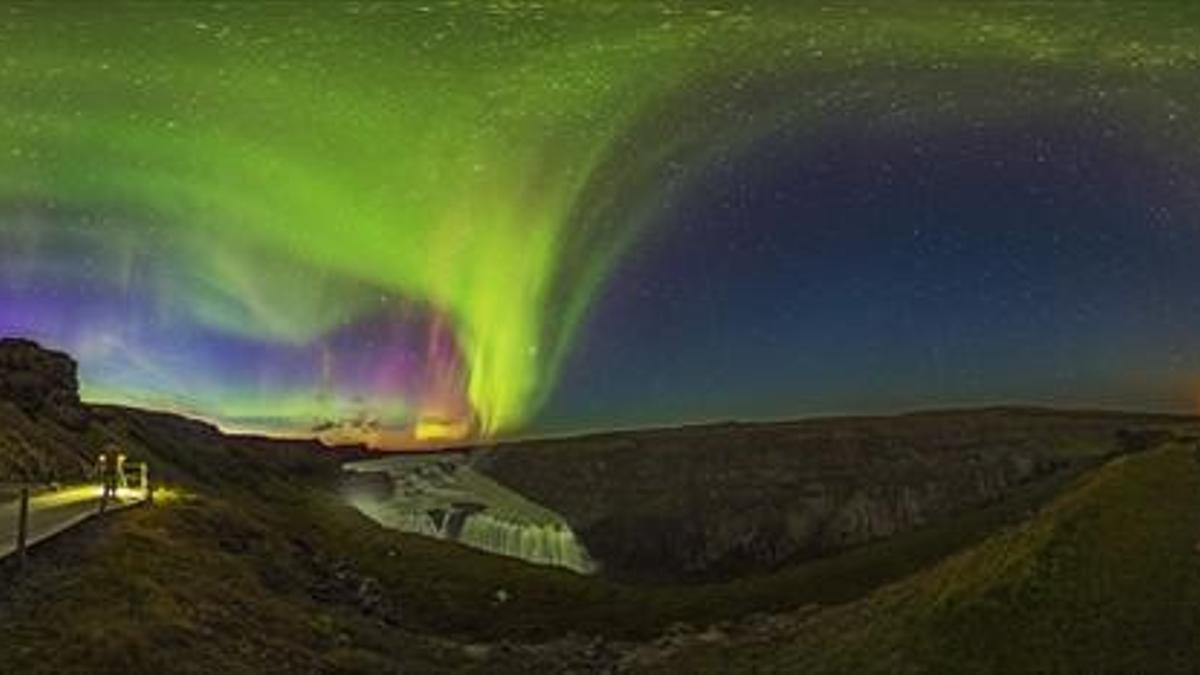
(547, 544)
(442, 497)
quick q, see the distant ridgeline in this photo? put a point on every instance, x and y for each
(442, 496)
(718, 501)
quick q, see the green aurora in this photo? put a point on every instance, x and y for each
(294, 166)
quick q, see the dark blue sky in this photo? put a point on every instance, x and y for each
(410, 225)
(1044, 262)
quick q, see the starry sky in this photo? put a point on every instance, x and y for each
(419, 222)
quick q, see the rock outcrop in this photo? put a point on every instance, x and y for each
(41, 382)
(43, 425)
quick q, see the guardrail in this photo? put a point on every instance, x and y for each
(37, 515)
(23, 526)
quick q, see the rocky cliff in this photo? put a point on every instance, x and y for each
(716, 501)
(41, 382)
(42, 422)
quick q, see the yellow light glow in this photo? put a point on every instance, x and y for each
(441, 429)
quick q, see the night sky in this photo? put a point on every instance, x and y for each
(408, 222)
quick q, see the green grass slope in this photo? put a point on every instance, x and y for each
(1104, 579)
(199, 585)
(257, 567)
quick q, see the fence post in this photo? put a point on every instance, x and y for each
(23, 526)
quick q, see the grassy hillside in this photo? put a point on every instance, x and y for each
(450, 590)
(258, 566)
(197, 585)
(202, 584)
(255, 565)
(39, 449)
(1105, 579)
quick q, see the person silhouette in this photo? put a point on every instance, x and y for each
(110, 467)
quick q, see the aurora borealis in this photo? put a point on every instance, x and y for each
(385, 220)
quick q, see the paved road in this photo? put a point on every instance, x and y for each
(52, 512)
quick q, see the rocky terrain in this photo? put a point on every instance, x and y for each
(692, 503)
(40, 381)
(902, 544)
(717, 501)
(42, 420)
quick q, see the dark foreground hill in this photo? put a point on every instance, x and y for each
(250, 562)
(1105, 579)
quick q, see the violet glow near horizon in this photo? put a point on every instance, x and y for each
(387, 221)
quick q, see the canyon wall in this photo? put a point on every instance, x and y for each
(716, 501)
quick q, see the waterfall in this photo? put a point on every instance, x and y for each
(444, 498)
(546, 544)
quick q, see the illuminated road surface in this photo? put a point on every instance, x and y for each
(52, 512)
